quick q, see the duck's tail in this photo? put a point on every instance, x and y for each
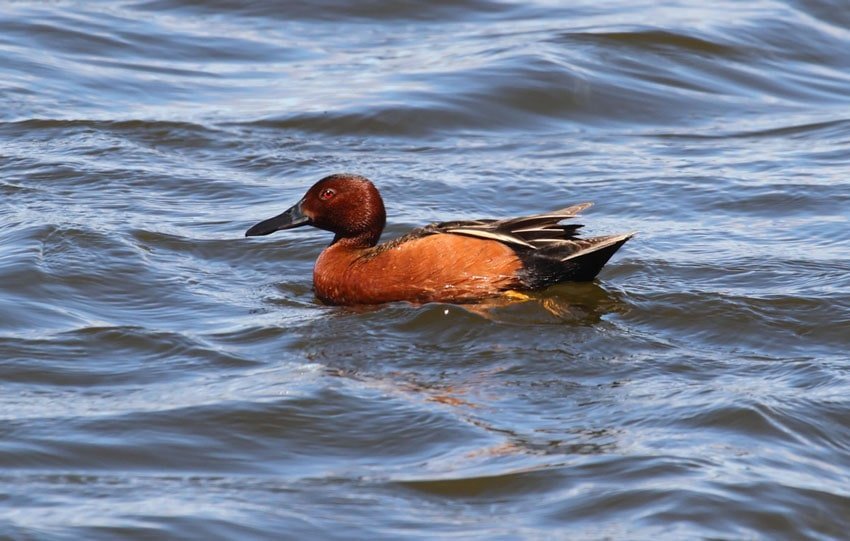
(576, 260)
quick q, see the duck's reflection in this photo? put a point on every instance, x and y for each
(471, 360)
(473, 401)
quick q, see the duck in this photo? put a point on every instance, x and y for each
(459, 261)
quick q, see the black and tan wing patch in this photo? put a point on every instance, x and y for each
(551, 252)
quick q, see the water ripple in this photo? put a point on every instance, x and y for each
(166, 377)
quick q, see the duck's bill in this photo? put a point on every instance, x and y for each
(290, 218)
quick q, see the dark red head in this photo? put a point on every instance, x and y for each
(345, 204)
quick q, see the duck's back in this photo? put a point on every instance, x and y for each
(550, 252)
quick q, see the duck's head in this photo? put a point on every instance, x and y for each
(347, 205)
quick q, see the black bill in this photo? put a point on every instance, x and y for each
(292, 217)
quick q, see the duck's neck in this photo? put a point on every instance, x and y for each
(364, 240)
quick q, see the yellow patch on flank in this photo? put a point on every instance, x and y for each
(516, 295)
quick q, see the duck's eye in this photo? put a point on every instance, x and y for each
(326, 194)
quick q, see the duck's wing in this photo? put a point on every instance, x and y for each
(531, 232)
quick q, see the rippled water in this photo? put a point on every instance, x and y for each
(164, 377)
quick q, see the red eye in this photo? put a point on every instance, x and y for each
(326, 194)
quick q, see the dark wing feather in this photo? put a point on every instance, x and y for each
(532, 232)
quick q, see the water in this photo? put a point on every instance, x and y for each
(165, 378)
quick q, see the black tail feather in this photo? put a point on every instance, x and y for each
(543, 268)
